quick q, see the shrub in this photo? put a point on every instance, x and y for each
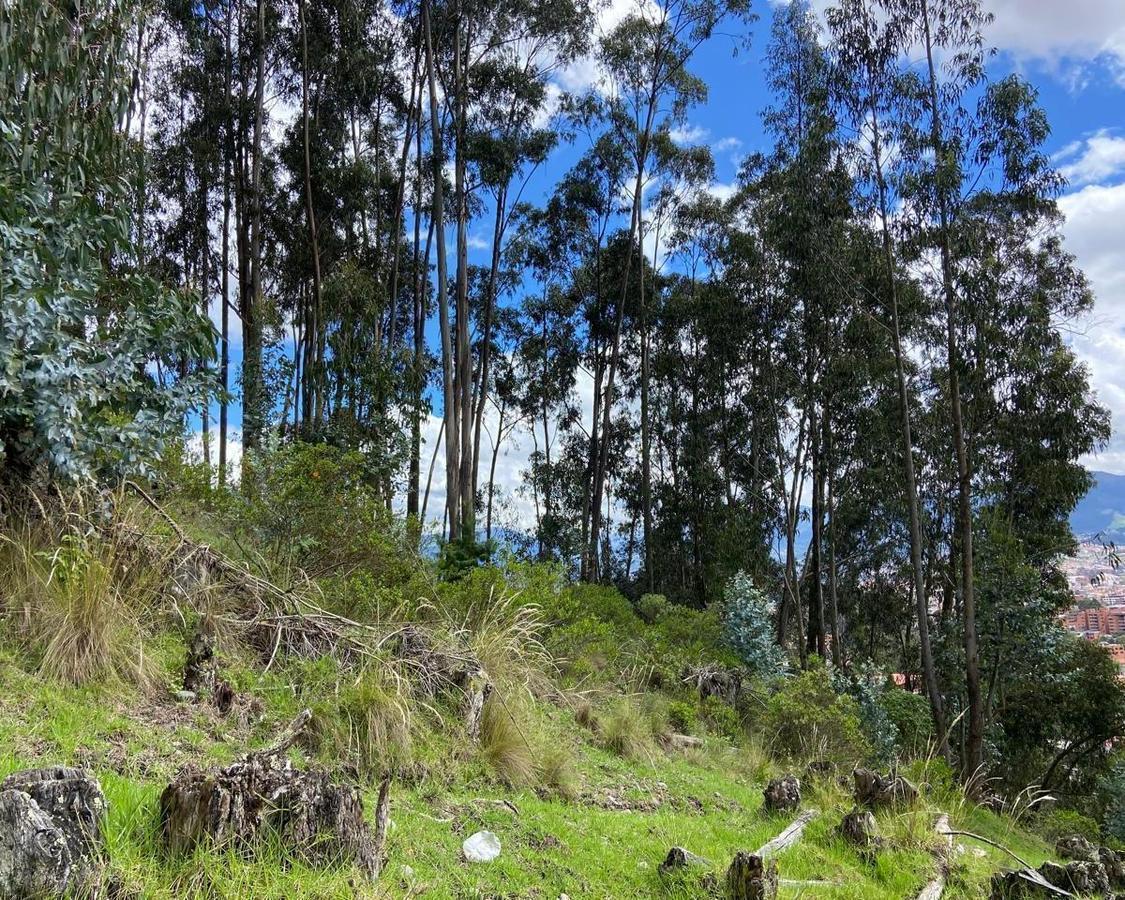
(684, 717)
(910, 715)
(651, 607)
(864, 685)
(504, 745)
(78, 599)
(806, 717)
(1056, 823)
(723, 719)
(747, 618)
(625, 730)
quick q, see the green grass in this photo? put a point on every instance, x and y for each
(570, 842)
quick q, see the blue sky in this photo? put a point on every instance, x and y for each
(1073, 51)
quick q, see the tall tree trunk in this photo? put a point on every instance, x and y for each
(450, 421)
(310, 212)
(224, 337)
(975, 738)
(253, 400)
(914, 504)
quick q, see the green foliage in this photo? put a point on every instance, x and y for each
(1059, 823)
(805, 717)
(651, 607)
(909, 713)
(748, 625)
(723, 719)
(683, 716)
(867, 688)
(79, 325)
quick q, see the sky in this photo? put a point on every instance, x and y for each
(1072, 51)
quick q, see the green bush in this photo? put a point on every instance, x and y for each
(651, 607)
(910, 715)
(723, 719)
(683, 716)
(805, 717)
(1056, 823)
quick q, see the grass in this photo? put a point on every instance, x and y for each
(583, 790)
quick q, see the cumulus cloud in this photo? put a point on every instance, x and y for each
(1092, 234)
(1098, 157)
(688, 134)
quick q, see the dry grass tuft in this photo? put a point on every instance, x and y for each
(504, 745)
(78, 596)
(557, 770)
(626, 730)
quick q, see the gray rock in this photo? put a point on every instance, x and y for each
(51, 838)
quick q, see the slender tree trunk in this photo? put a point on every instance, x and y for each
(929, 672)
(224, 338)
(975, 738)
(449, 413)
(310, 213)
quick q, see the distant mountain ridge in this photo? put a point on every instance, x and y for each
(1102, 510)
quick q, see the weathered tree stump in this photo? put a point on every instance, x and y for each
(860, 829)
(1114, 863)
(876, 791)
(439, 671)
(314, 817)
(678, 858)
(201, 670)
(782, 794)
(714, 681)
(50, 832)
(750, 878)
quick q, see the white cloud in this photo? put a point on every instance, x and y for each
(1060, 32)
(726, 144)
(1097, 158)
(688, 134)
(1092, 234)
(585, 72)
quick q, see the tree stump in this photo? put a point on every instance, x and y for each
(1081, 877)
(1114, 863)
(678, 858)
(51, 838)
(439, 671)
(314, 817)
(201, 670)
(1076, 847)
(860, 829)
(749, 878)
(1024, 884)
(782, 794)
(876, 791)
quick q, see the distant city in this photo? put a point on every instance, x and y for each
(1098, 613)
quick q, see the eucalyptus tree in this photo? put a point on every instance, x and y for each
(648, 86)
(91, 344)
(866, 51)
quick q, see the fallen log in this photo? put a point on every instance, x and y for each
(788, 837)
(935, 887)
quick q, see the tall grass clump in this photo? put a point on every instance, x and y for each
(78, 597)
(626, 730)
(504, 744)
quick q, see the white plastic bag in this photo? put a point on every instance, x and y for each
(481, 847)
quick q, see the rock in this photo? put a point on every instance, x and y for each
(1080, 877)
(1076, 847)
(782, 794)
(679, 858)
(51, 839)
(482, 847)
(684, 742)
(860, 829)
(749, 878)
(876, 791)
(185, 696)
(1114, 863)
(312, 815)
